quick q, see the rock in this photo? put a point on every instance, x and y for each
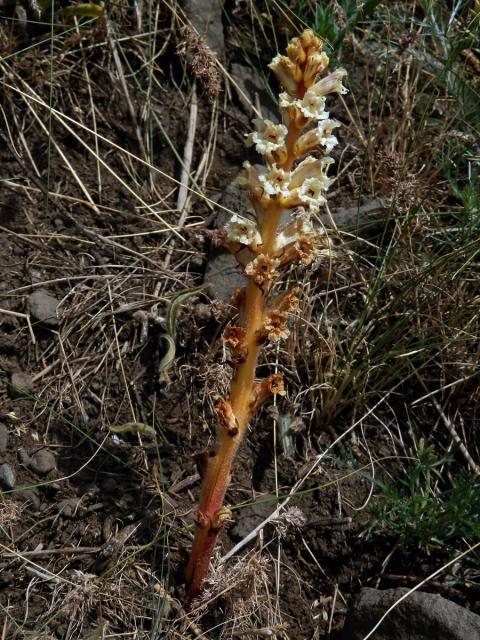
(42, 306)
(222, 272)
(42, 462)
(251, 91)
(421, 616)
(354, 216)
(206, 18)
(22, 384)
(23, 457)
(224, 276)
(234, 200)
(3, 437)
(7, 476)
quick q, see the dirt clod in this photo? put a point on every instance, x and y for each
(42, 306)
(42, 462)
(30, 496)
(3, 437)
(22, 384)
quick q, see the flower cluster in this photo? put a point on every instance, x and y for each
(290, 178)
(302, 104)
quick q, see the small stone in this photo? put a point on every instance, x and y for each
(23, 456)
(3, 437)
(42, 462)
(7, 476)
(22, 384)
(42, 306)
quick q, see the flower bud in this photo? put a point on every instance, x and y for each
(316, 63)
(296, 52)
(331, 83)
(310, 40)
(287, 72)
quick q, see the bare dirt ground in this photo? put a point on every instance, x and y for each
(95, 525)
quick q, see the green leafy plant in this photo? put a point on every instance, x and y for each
(333, 23)
(421, 514)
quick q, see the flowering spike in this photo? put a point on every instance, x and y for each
(263, 247)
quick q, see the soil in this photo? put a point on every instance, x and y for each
(101, 522)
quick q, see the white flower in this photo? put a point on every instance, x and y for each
(313, 104)
(326, 139)
(268, 137)
(298, 228)
(276, 181)
(286, 100)
(243, 231)
(309, 168)
(321, 135)
(311, 193)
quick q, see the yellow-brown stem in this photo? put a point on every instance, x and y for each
(217, 476)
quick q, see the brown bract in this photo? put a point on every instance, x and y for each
(226, 416)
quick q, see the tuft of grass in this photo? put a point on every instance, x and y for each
(420, 514)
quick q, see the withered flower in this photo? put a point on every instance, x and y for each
(234, 338)
(263, 270)
(274, 328)
(261, 391)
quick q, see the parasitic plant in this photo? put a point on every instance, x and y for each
(264, 245)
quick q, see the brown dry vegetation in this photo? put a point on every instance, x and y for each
(381, 367)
